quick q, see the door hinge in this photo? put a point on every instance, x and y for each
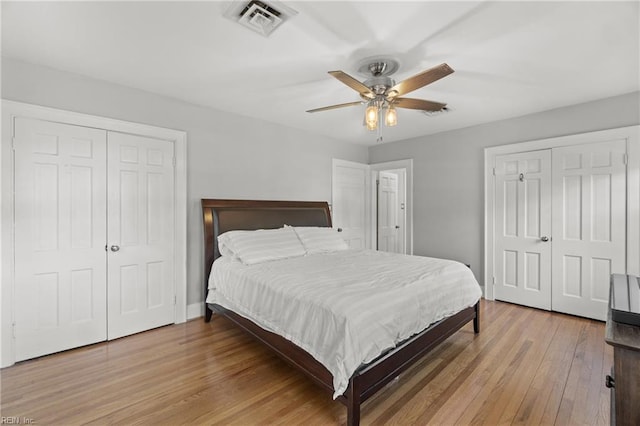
(494, 280)
(175, 300)
(13, 329)
(173, 161)
(13, 144)
(625, 159)
(494, 171)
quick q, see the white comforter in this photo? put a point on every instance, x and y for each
(347, 307)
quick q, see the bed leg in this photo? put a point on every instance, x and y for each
(476, 320)
(353, 403)
(207, 313)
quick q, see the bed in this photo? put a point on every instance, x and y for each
(364, 381)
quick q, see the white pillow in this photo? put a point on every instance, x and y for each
(320, 239)
(223, 248)
(259, 246)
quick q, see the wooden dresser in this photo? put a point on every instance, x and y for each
(624, 380)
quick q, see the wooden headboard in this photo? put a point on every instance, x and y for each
(226, 215)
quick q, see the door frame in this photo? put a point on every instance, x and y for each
(632, 136)
(13, 109)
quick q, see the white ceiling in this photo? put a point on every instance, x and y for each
(510, 58)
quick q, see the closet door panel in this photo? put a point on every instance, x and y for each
(522, 228)
(141, 233)
(60, 234)
(589, 225)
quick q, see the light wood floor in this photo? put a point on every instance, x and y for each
(525, 367)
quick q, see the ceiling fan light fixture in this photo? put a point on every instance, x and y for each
(391, 117)
(371, 116)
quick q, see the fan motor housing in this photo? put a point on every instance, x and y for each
(377, 66)
(379, 85)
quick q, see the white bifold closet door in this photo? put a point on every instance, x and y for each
(70, 288)
(560, 226)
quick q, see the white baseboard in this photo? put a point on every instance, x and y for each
(195, 310)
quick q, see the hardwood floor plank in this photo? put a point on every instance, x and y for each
(545, 392)
(525, 367)
(581, 401)
(502, 369)
(420, 400)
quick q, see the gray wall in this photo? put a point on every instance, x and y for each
(228, 156)
(449, 171)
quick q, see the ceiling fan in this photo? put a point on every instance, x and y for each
(380, 92)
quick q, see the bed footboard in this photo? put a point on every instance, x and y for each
(369, 378)
(372, 377)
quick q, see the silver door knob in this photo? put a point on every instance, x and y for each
(115, 248)
(544, 239)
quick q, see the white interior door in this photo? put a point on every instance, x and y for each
(140, 233)
(60, 234)
(589, 232)
(402, 210)
(349, 202)
(523, 228)
(388, 209)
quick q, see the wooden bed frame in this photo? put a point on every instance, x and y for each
(225, 215)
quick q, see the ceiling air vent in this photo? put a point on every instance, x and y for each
(259, 16)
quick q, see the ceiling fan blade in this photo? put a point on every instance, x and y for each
(420, 80)
(335, 106)
(420, 104)
(353, 83)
